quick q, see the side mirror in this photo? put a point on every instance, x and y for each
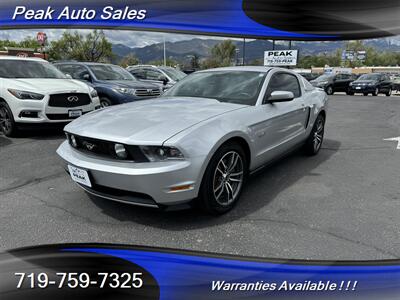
(280, 96)
(86, 77)
(163, 79)
(68, 76)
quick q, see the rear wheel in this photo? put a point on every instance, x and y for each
(314, 141)
(223, 180)
(105, 102)
(7, 123)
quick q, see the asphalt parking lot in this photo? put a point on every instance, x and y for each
(342, 204)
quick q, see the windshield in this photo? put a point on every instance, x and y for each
(175, 74)
(13, 68)
(242, 87)
(110, 72)
(324, 77)
(369, 77)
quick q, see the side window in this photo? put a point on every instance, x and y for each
(78, 72)
(152, 74)
(283, 82)
(138, 73)
(66, 69)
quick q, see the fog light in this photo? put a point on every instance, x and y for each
(181, 188)
(74, 143)
(120, 151)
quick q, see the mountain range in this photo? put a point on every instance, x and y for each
(254, 49)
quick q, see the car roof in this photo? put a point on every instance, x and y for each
(6, 57)
(80, 63)
(247, 68)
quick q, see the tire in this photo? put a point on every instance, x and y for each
(389, 92)
(376, 92)
(221, 187)
(316, 137)
(349, 93)
(7, 123)
(105, 102)
(329, 90)
(365, 94)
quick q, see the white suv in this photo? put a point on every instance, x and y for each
(33, 91)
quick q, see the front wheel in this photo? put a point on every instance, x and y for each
(7, 123)
(329, 90)
(223, 180)
(376, 92)
(105, 102)
(316, 137)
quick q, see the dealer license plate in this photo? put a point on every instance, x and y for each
(79, 175)
(74, 113)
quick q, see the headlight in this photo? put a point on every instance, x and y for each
(26, 95)
(120, 151)
(156, 153)
(72, 140)
(93, 93)
(125, 91)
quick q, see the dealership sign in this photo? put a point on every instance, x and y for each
(280, 58)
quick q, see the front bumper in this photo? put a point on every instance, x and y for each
(47, 114)
(146, 184)
(362, 89)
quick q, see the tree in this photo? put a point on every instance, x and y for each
(222, 55)
(93, 47)
(129, 60)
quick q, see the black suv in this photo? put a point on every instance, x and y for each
(113, 84)
(374, 83)
(332, 83)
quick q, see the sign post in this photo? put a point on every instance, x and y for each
(280, 58)
(41, 38)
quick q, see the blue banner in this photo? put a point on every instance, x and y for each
(284, 19)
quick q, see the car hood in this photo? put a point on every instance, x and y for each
(130, 84)
(47, 85)
(148, 122)
(364, 81)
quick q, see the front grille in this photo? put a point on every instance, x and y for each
(148, 92)
(106, 149)
(69, 100)
(121, 195)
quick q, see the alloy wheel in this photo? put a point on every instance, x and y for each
(318, 134)
(104, 104)
(228, 178)
(5, 120)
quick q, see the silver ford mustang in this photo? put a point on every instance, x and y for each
(199, 141)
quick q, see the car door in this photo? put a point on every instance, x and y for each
(283, 124)
(340, 82)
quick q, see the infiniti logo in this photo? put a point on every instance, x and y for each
(73, 98)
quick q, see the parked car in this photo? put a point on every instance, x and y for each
(309, 76)
(114, 84)
(33, 91)
(395, 82)
(162, 76)
(374, 83)
(332, 83)
(200, 140)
